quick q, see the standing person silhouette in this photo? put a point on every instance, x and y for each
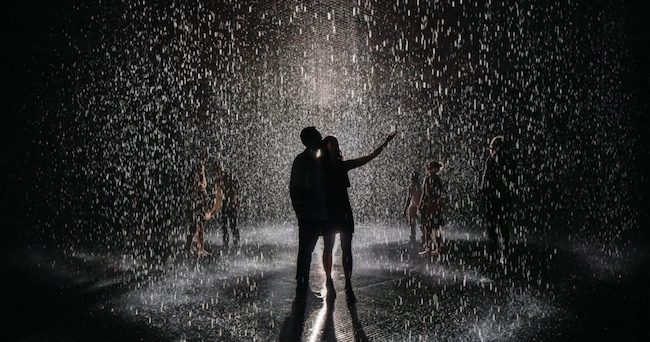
(496, 194)
(201, 208)
(431, 208)
(307, 190)
(411, 207)
(229, 209)
(340, 211)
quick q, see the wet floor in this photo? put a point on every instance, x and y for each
(547, 289)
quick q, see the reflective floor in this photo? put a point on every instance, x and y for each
(547, 290)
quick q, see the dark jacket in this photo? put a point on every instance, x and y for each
(230, 192)
(307, 188)
(496, 184)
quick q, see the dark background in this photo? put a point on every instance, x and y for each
(587, 174)
(60, 181)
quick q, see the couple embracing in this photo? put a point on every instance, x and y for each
(319, 196)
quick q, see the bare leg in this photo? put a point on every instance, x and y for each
(328, 242)
(427, 237)
(423, 231)
(191, 232)
(328, 245)
(346, 247)
(200, 246)
(435, 246)
(224, 228)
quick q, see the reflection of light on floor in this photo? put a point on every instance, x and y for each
(607, 262)
(220, 295)
(317, 328)
(515, 315)
(318, 324)
(337, 243)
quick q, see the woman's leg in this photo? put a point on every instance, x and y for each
(328, 242)
(200, 247)
(426, 227)
(224, 228)
(346, 247)
(189, 237)
(434, 239)
(439, 239)
(413, 222)
(423, 231)
(191, 231)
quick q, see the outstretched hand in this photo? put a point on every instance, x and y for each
(390, 137)
(379, 149)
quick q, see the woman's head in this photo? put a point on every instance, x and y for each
(332, 147)
(433, 167)
(495, 144)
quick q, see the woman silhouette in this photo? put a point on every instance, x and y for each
(412, 202)
(340, 218)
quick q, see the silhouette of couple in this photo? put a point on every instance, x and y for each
(319, 196)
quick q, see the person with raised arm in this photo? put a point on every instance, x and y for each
(339, 210)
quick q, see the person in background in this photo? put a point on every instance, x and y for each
(199, 209)
(496, 196)
(217, 193)
(430, 208)
(339, 210)
(229, 209)
(411, 209)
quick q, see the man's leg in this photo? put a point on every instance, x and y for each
(413, 223)
(224, 228)
(423, 231)
(189, 237)
(191, 229)
(307, 239)
(427, 235)
(504, 227)
(233, 226)
(493, 238)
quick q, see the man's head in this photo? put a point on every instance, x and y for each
(311, 137)
(433, 167)
(415, 177)
(204, 155)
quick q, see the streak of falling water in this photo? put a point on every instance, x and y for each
(152, 85)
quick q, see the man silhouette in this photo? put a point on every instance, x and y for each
(307, 190)
(496, 187)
